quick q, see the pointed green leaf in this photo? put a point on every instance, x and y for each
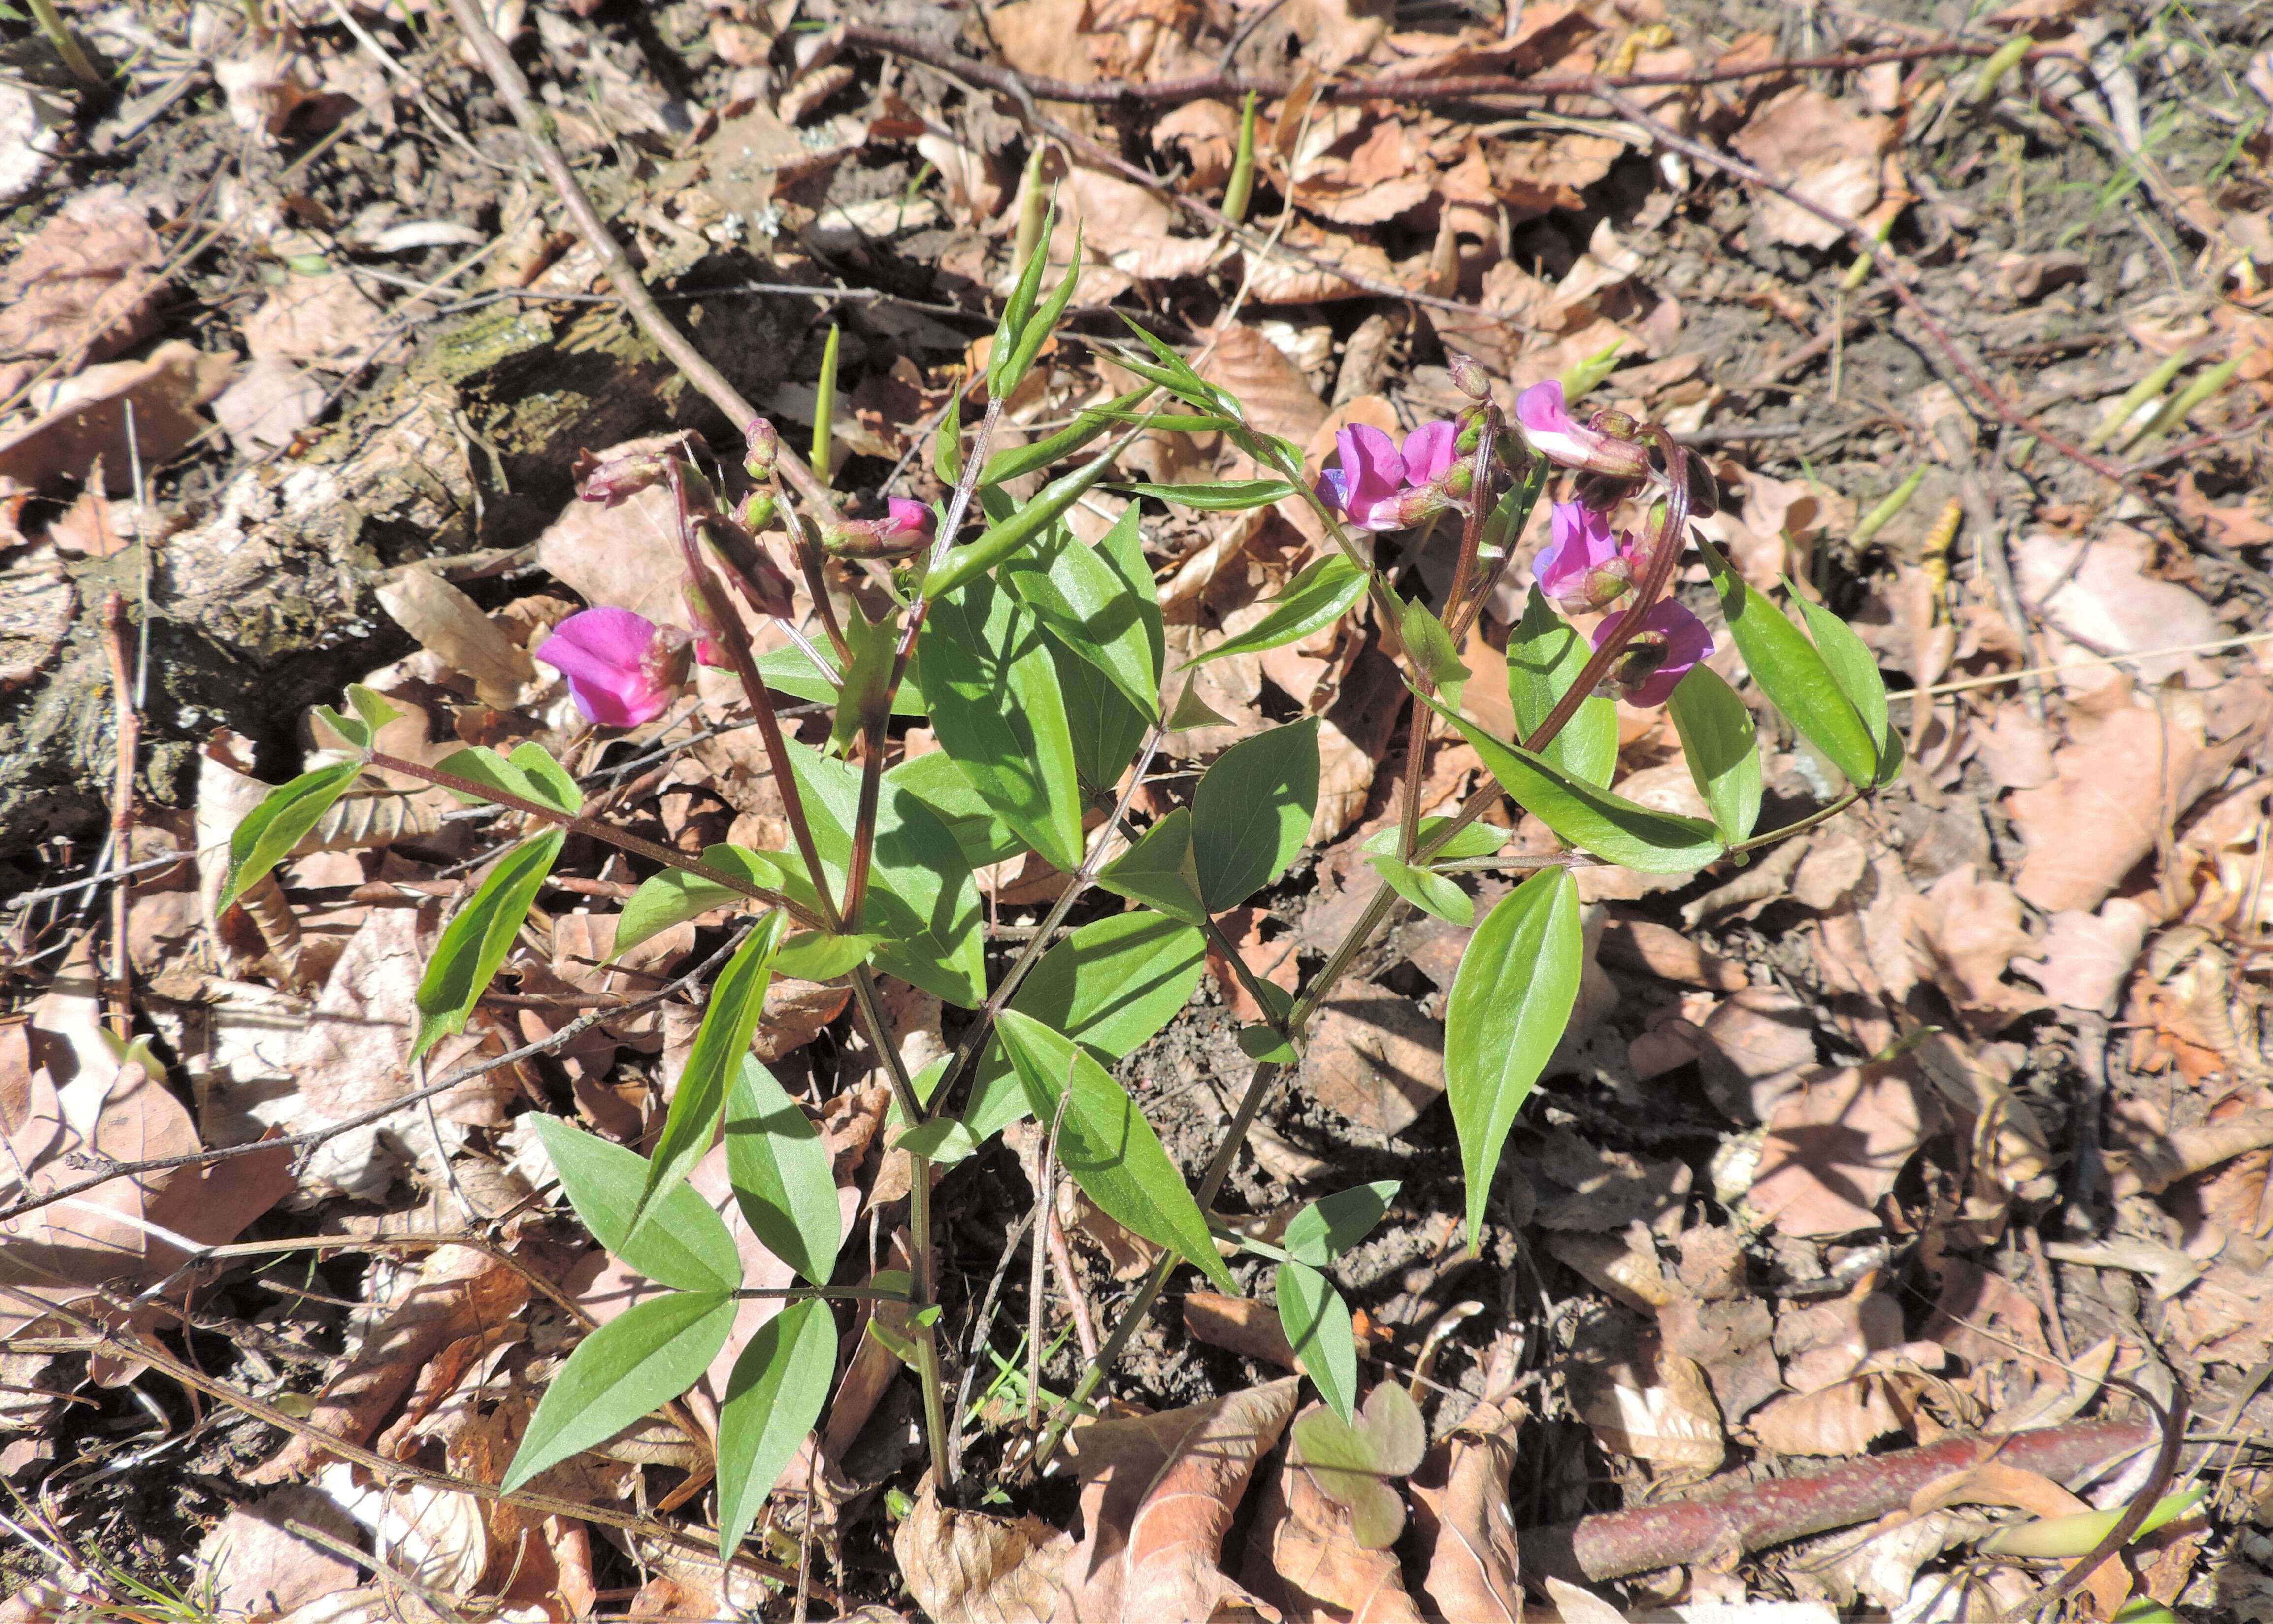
(666, 899)
(1856, 670)
(1018, 308)
(1110, 986)
(477, 938)
(1795, 677)
(946, 1141)
(1004, 379)
(947, 443)
(1161, 871)
(1321, 595)
(266, 834)
(1431, 893)
(999, 711)
(779, 1166)
(529, 773)
(1007, 535)
(1330, 1225)
(1082, 599)
(1193, 711)
(1545, 656)
(1318, 1328)
(1511, 999)
(921, 898)
(372, 711)
(1217, 495)
(1105, 728)
(1014, 461)
(1430, 647)
(1266, 1044)
(780, 1383)
(1594, 819)
(1721, 743)
(873, 646)
(935, 780)
(791, 670)
(1251, 813)
(631, 1366)
(689, 1248)
(816, 956)
(738, 997)
(1477, 839)
(1107, 1146)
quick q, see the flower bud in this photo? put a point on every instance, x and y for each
(1467, 377)
(611, 479)
(749, 566)
(762, 446)
(758, 511)
(709, 635)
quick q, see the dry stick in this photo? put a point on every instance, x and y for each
(1750, 1516)
(313, 1137)
(536, 129)
(1205, 87)
(129, 729)
(390, 1472)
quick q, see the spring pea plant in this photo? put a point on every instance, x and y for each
(1039, 661)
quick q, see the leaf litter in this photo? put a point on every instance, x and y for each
(1885, 1144)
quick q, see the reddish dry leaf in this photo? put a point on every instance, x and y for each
(2086, 957)
(1827, 154)
(2103, 589)
(459, 1293)
(84, 421)
(1835, 1149)
(2122, 782)
(1844, 1418)
(254, 1565)
(1973, 928)
(1246, 1327)
(1648, 948)
(1272, 961)
(1375, 1058)
(1159, 1494)
(1460, 1506)
(84, 287)
(1759, 1046)
(1303, 1556)
(1276, 395)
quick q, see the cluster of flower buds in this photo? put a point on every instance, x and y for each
(905, 529)
(1586, 565)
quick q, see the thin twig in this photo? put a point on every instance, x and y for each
(128, 727)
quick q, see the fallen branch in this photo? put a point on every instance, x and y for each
(1747, 1517)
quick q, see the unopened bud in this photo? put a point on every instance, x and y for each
(1704, 489)
(750, 567)
(611, 479)
(701, 497)
(1467, 377)
(762, 446)
(758, 511)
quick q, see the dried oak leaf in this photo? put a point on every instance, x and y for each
(967, 1564)
(1278, 396)
(2086, 957)
(1159, 1494)
(85, 286)
(2122, 781)
(83, 421)
(1824, 151)
(1643, 1400)
(1758, 1047)
(1460, 1506)
(2104, 588)
(1375, 1058)
(1835, 1149)
(1973, 928)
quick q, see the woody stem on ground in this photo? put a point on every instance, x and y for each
(536, 129)
(1667, 551)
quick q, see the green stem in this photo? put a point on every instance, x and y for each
(1819, 815)
(51, 24)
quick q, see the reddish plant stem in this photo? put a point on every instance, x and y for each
(128, 727)
(1745, 1517)
(1386, 87)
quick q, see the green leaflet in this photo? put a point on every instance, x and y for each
(1330, 1225)
(689, 1248)
(791, 670)
(267, 833)
(1594, 819)
(935, 780)
(1856, 670)
(1110, 986)
(1082, 598)
(738, 997)
(1317, 1321)
(1511, 999)
(1321, 595)
(1251, 813)
(528, 773)
(1431, 892)
(1107, 1146)
(1430, 647)
(664, 900)
(1218, 496)
(477, 938)
(1794, 675)
(1545, 655)
(999, 711)
(636, 1363)
(1161, 871)
(779, 1166)
(780, 1383)
(1720, 742)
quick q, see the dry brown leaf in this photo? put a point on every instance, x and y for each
(268, 405)
(1460, 1506)
(1624, 1267)
(1835, 1149)
(254, 1565)
(1277, 278)
(967, 1564)
(1759, 1047)
(1972, 928)
(1827, 152)
(627, 554)
(1844, 1418)
(458, 1292)
(84, 287)
(1645, 1401)
(1246, 1327)
(1159, 1494)
(452, 627)
(1375, 1058)
(2121, 784)
(1609, 1189)
(1278, 396)
(326, 322)
(83, 420)
(2086, 957)
(1302, 1555)
(1647, 948)
(2103, 587)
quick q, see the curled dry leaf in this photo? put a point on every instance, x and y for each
(1303, 1555)
(1643, 1400)
(83, 421)
(967, 1564)
(1835, 1149)
(1460, 1506)
(452, 627)
(1158, 1493)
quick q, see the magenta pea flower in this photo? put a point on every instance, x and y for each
(1376, 485)
(1568, 443)
(1670, 645)
(622, 668)
(1584, 565)
(909, 521)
